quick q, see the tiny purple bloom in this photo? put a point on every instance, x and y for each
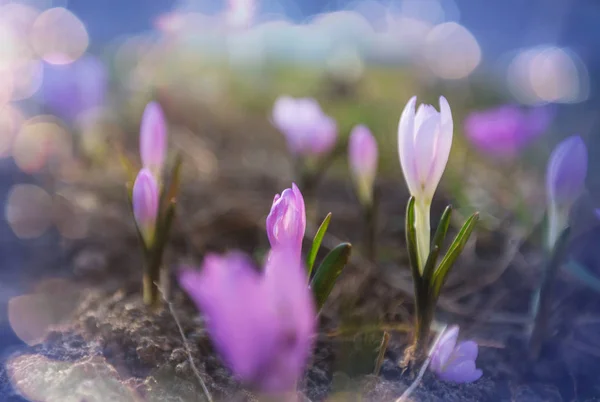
(363, 156)
(145, 202)
(308, 130)
(452, 362)
(504, 131)
(567, 168)
(153, 138)
(286, 223)
(262, 325)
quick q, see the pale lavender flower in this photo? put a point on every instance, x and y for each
(262, 325)
(153, 138)
(565, 181)
(145, 203)
(286, 222)
(504, 131)
(424, 142)
(363, 157)
(308, 130)
(452, 362)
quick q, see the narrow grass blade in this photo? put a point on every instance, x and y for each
(441, 273)
(316, 244)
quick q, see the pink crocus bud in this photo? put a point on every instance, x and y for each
(308, 130)
(145, 203)
(286, 223)
(424, 142)
(262, 324)
(153, 138)
(363, 157)
(452, 362)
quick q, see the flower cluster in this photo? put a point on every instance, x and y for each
(263, 321)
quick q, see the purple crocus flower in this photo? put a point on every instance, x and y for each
(503, 131)
(262, 324)
(363, 156)
(452, 362)
(153, 138)
(286, 223)
(73, 89)
(308, 130)
(565, 181)
(145, 203)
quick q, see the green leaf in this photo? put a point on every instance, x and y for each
(316, 245)
(328, 272)
(171, 190)
(438, 243)
(441, 273)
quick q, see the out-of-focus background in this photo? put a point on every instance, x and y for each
(75, 76)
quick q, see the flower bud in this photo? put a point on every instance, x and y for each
(286, 223)
(308, 131)
(145, 203)
(455, 363)
(153, 138)
(424, 142)
(565, 181)
(363, 157)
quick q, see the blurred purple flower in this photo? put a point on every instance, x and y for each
(286, 223)
(153, 138)
(567, 168)
(452, 362)
(505, 130)
(363, 156)
(308, 130)
(73, 89)
(262, 325)
(145, 203)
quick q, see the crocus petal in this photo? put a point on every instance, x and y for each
(406, 145)
(425, 141)
(567, 168)
(444, 349)
(153, 138)
(228, 290)
(295, 315)
(424, 113)
(463, 372)
(466, 350)
(145, 200)
(442, 147)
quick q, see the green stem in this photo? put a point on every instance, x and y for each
(543, 297)
(150, 291)
(423, 229)
(370, 215)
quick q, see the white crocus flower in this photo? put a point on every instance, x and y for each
(424, 142)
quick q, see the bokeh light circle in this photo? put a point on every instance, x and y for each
(58, 36)
(28, 210)
(451, 51)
